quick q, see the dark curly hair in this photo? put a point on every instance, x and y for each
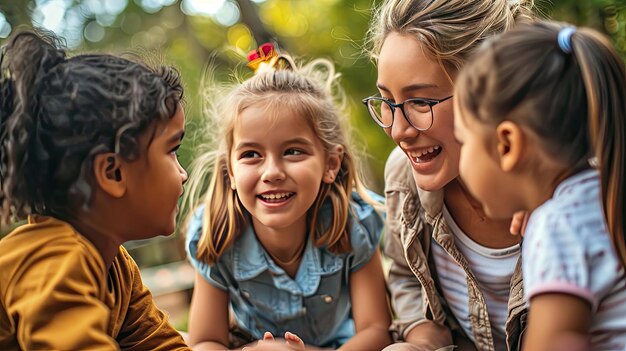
(58, 112)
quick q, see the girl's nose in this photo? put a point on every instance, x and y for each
(273, 171)
(401, 130)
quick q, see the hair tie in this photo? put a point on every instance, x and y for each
(564, 39)
(266, 58)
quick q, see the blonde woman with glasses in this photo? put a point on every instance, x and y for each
(455, 277)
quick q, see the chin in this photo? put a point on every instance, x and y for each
(168, 233)
(430, 182)
(169, 229)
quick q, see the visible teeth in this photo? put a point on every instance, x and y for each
(275, 196)
(427, 151)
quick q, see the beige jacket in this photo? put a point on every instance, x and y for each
(414, 217)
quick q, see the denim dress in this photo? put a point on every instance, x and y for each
(315, 305)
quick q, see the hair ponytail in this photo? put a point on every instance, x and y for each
(25, 60)
(570, 93)
(604, 78)
(57, 114)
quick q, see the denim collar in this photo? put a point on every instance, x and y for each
(251, 259)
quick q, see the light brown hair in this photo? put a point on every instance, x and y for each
(449, 30)
(307, 91)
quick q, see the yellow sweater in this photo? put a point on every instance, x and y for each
(56, 294)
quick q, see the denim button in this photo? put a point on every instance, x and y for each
(327, 298)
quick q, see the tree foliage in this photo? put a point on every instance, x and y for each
(191, 33)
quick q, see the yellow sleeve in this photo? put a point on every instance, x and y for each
(57, 300)
(145, 326)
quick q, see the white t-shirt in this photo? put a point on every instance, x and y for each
(567, 250)
(493, 269)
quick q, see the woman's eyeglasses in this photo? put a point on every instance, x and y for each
(417, 111)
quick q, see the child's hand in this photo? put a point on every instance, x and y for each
(292, 343)
(267, 337)
(518, 223)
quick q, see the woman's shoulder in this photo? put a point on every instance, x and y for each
(401, 193)
(398, 173)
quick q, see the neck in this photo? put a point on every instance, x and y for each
(539, 186)
(283, 244)
(470, 217)
(98, 232)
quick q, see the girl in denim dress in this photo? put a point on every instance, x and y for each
(285, 238)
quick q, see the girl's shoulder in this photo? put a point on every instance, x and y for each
(365, 230)
(363, 209)
(193, 230)
(193, 235)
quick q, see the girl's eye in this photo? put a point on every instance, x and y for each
(249, 154)
(293, 152)
(174, 151)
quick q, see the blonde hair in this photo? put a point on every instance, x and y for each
(449, 30)
(574, 101)
(307, 91)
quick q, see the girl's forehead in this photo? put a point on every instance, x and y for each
(273, 111)
(259, 125)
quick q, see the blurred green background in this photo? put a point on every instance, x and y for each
(191, 33)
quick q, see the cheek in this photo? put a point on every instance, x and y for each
(443, 127)
(472, 172)
(465, 164)
(241, 177)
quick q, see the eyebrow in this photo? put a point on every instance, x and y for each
(301, 141)
(177, 137)
(408, 88)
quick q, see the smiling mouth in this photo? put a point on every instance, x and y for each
(276, 197)
(426, 155)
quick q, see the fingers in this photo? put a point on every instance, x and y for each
(518, 223)
(267, 337)
(294, 340)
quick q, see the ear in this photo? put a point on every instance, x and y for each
(333, 164)
(233, 186)
(107, 170)
(511, 145)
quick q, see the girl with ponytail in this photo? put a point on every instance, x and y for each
(541, 116)
(88, 158)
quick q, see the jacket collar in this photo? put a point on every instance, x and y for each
(250, 260)
(432, 202)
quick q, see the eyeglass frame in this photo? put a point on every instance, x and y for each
(393, 106)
